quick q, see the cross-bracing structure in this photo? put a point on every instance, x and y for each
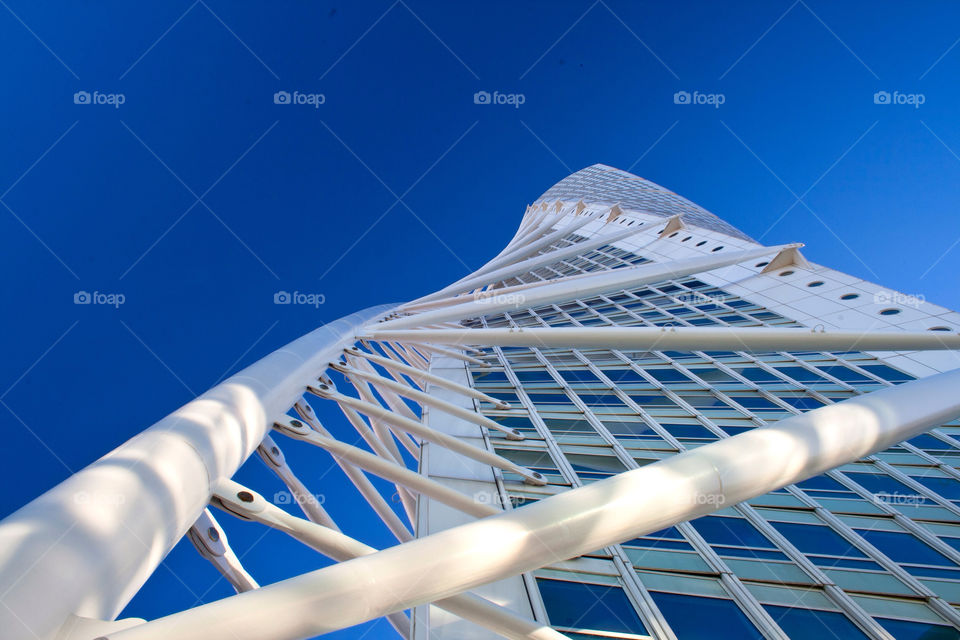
(633, 412)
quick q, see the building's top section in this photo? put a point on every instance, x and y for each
(603, 184)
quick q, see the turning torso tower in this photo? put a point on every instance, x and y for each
(634, 422)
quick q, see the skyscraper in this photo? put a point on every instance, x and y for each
(635, 421)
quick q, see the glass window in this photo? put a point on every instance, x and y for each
(695, 617)
(811, 624)
(843, 373)
(537, 375)
(887, 373)
(803, 403)
(578, 375)
(801, 375)
(668, 375)
(903, 547)
(818, 539)
(589, 606)
(623, 375)
(756, 374)
(903, 630)
(651, 401)
(946, 487)
(688, 431)
(711, 374)
(730, 531)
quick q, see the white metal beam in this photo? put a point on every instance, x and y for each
(572, 523)
(422, 431)
(681, 338)
(593, 284)
(426, 399)
(527, 265)
(341, 547)
(107, 527)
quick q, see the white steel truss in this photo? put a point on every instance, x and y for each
(158, 487)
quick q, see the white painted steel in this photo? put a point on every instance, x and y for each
(341, 547)
(682, 338)
(593, 284)
(422, 431)
(386, 469)
(527, 265)
(425, 399)
(108, 526)
(420, 376)
(210, 541)
(572, 523)
(273, 457)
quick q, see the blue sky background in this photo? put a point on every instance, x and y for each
(198, 198)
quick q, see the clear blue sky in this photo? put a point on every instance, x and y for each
(104, 198)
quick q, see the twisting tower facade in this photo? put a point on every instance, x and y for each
(634, 422)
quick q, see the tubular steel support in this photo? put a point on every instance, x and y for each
(386, 363)
(273, 457)
(684, 338)
(109, 525)
(428, 400)
(210, 541)
(399, 475)
(528, 265)
(420, 430)
(341, 547)
(592, 284)
(572, 523)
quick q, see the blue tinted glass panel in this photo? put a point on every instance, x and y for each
(846, 374)
(903, 630)
(579, 376)
(810, 624)
(730, 531)
(688, 430)
(623, 375)
(803, 403)
(589, 606)
(811, 538)
(903, 547)
(887, 373)
(668, 375)
(696, 618)
(946, 487)
(801, 375)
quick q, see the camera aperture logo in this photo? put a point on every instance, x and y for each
(98, 297)
(513, 99)
(297, 297)
(912, 99)
(297, 97)
(96, 97)
(712, 99)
